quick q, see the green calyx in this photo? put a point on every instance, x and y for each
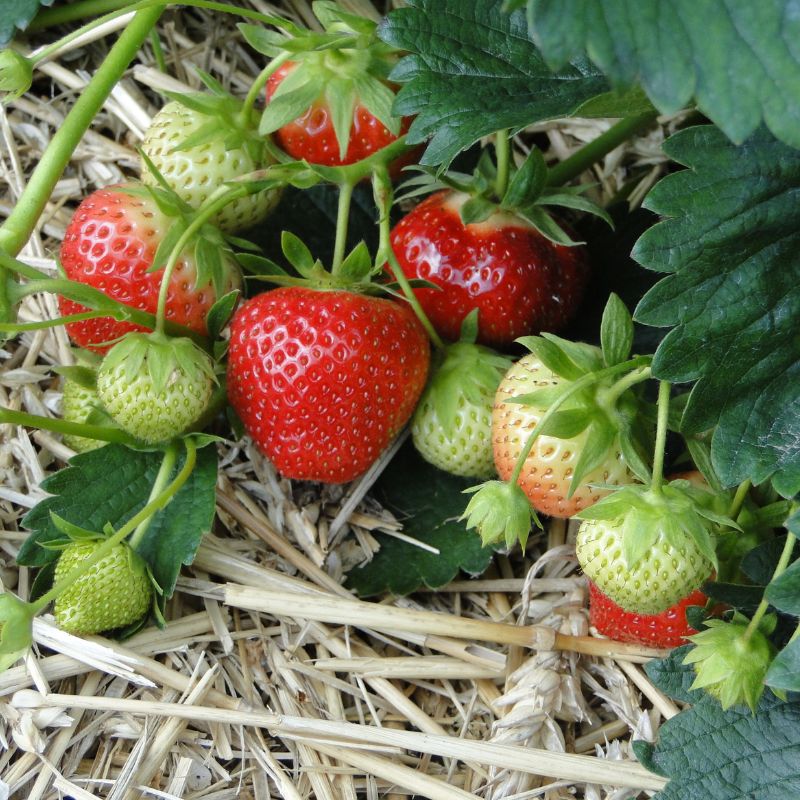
(730, 663)
(500, 512)
(16, 632)
(596, 391)
(345, 66)
(674, 514)
(525, 195)
(16, 74)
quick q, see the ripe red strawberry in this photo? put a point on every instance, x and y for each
(323, 380)
(667, 629)
(194, 173)
(520, 281)
(548, 469)
(312, 137)
(110, 244)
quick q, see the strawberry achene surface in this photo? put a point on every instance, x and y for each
(520, 282)
(312, 137)
(110, 244)
(667, 629)
(323, 380)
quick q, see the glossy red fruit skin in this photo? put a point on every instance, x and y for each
(667, 629)
(520, 282)
(311, 137)
(324, 380)
(110, 244)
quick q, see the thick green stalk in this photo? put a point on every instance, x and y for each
(260, 82)
(661, 436)
(739, 498)
(342, 225)
(502, 148)
(63, 426)
(592, 152)
(783, 562)
(60, 15)
(109, 544)
(20, 223)
(159, 484)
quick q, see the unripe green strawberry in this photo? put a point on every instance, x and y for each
(452, 426)
(194, 173)
(79, 402)
(656, 582)
(155, 387)
(731, 663)
(115, 593)
(647, 548)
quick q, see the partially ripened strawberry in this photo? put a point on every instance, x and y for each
(550, 466)
(667, 629)
(155, 387)
(195, 173)
(111, 243)
(520, 281)
(324, 380)
(117, 592)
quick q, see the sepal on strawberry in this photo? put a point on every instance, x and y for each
(646, 548)
(155, 387)
(500, 512)
(451, 427)
(16, 636)
(730, 661)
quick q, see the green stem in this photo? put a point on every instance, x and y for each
(160, 483)
(158, 51)
(19, 225)
(342, 224)
(783, 562)
(217, 201)
(21, 327)
(70, 12)
(616, 390)
(636, 376)
(661, 436)
(384, 197)
(739, 498)
(154, 505)
(260, 82)
(99, 432)
(12, 265)
(502, 148)
(598, 148)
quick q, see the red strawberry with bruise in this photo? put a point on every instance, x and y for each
(311, 137)
(667, 629)
(520, 282)
(110, 244)
(324, 380)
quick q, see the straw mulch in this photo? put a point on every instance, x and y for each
(270, 679)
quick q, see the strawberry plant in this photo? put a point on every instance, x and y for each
(387, 305)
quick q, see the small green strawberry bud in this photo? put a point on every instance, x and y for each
(500, 511)
(730, 665)
(16, 619)
(115, 593)
(155, 387)
(16, 74)
(79, 402)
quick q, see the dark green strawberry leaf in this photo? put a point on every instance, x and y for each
(784, 671)
(711, 754)
(428, 502)
(784, 592)
(760, 562)
(731, 245)
(473, 70)
(17, 14)
(735, 60)
(112, 484)
(674, 677)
